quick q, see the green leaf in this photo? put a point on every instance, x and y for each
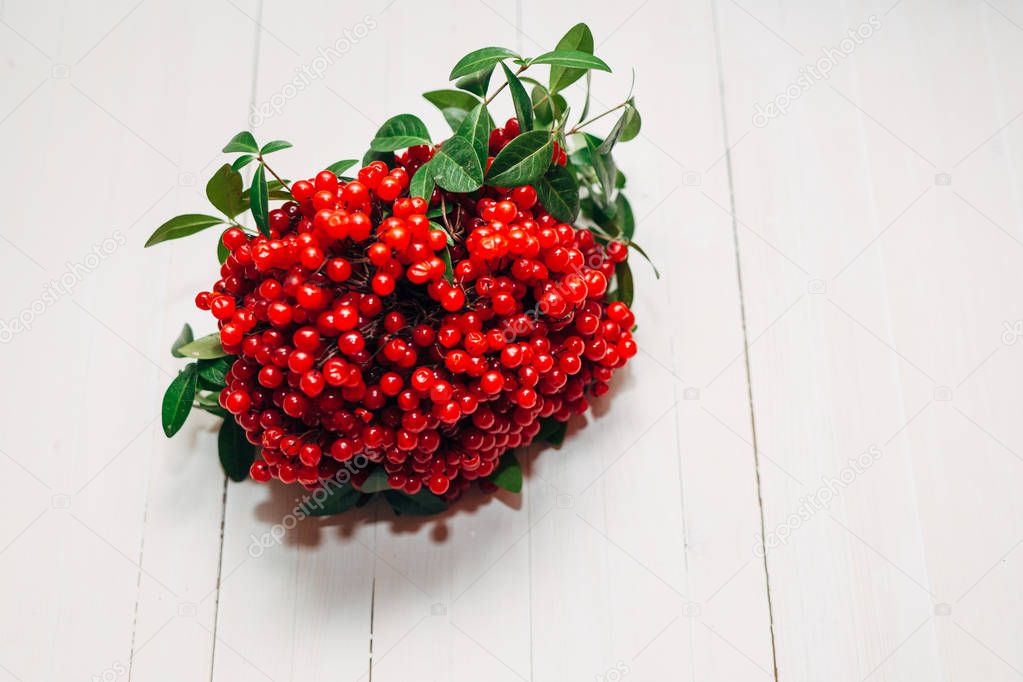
(624, 291)
(215, 371)
(235, 450)
(586, 102)
(339, 167)
(453, 104)
(242, 142)
(628, 121)
(224, 190)
(580, 39)
(571, 58)
(456, 167)
(376, 481)
(183, 226)
(522, 160)
(242, 161)
(648, 259)
(259, 200)
(633, 122)
(603, 165)
(480, 60)
(520, 98)
(184, 337)
(477, 82)
(373, 155)
(449, 269)
(559, 193)
(422, 182)
(205, 348)
(399, 132)
(475, 130)
(546, 106)
(508, 474)
(274, 146)
(222, 251)
(423, 503)
(551, 431)
(624, 217)
(338, 500)
(177, 401)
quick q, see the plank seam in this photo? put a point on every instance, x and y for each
(745, 331)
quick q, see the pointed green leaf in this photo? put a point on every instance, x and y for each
(449, 269)
(624, 217)
(399, 132)
(235, 450)
(508, 474)
(520, 98)
(475, 130)
(456, 167)
(480, 60)
(215, 371)
(586, 102)
(453, 104)
(624, 290)
(242, 142)
(603, 165)
(242, 161)
(205, 348)
(184, 337)
(177, 400)
(224, 190)
(259, 200)
(182, 226)
(551, 431)
(339, 167)
(476, 82)
(648, 259)
(633, 123)
(376, 481)
(559, 194)
(222, 251)
(422, 182)
(522, 160)
(580, 39)
(372, 155)
(274, 146)
(571, 58)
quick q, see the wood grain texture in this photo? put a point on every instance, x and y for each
(827, 371)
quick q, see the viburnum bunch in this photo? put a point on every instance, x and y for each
(401, 330)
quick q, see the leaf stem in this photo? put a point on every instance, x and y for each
(582, 125)
(260, 158)
(497, 92)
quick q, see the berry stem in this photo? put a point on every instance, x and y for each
(582, 125)
(503, 85)
(259, 157)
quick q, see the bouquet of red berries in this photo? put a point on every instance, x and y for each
(401, 330)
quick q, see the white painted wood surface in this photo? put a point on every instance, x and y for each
(841, 280)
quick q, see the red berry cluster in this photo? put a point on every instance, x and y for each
(354, 335)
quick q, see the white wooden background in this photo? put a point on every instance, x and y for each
(842, 283)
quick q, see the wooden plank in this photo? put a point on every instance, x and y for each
(833, 378)
(952, 265)
(74, 576)
(644, 523)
